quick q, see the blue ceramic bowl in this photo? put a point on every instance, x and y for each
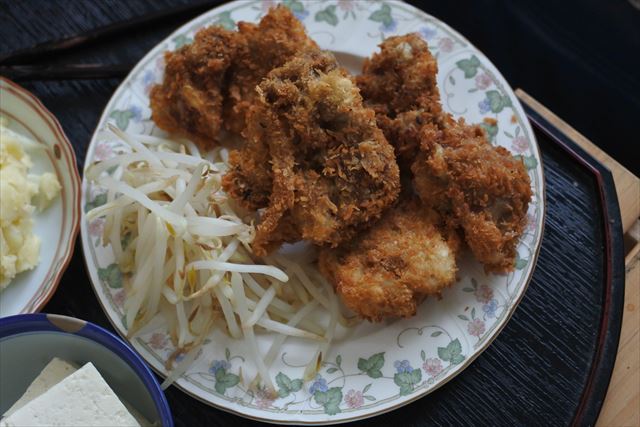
(29, 341)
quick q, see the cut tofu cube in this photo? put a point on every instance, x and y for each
(52, 374)
(82, 399)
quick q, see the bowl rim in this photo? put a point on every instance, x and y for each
(41, 322)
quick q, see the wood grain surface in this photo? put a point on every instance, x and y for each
(622, 404)
(534, 372)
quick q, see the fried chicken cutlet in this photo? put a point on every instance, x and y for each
(399, 83)
(479, 188)
(484, 189)
(332, 171)
(389, 269)
(211, 82)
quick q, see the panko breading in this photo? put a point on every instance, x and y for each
(389, 269)
(399, 83)
(189, 101)
(279, 37)
(211, 82)
(332, 170)
(482, 189)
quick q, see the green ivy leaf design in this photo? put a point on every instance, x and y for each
(327, 15)
(468, 290)
(463, 317)
(182, 40)
(457, 359)
(407, 380)
(491, 130)
(520, 263)
(111, 275)
(436, 334)
(497, 101)
(469, 66)
(331, 370)
(224, 20)
(366, 388)
(372, 365)
(530, 162)
(225, 380)
(294, 5)
(423, 355)
(339, 360)
(122, 118)
(473, 313)
(329, 399)
(382, 15)
(227, 353)
(99, 200)
(452, 353)
(287, 385)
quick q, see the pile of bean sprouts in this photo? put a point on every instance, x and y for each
(185, 249)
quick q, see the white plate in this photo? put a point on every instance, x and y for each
(57, 226)
(371, 368)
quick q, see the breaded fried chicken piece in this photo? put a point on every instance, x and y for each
(484, 189)
(332, 170)
(212, 81)
(189, 100)
(399, 83)
(275, 40)
(389, 269)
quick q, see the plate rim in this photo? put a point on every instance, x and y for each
(68, 250)
(470, 359)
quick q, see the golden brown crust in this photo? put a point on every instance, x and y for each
(189, 100)
(484, 190)
(480, 189)
(211, 82)
(332, 170)
(389, 269)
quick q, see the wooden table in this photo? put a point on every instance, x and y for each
(622, 404)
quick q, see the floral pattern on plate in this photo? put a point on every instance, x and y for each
(371, 368)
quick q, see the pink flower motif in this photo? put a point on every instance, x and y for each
(476, 327)
(483, 81)
(263, 399)
(432, 366)
(118, 298)
(346, 5)
(484, 294)
(445, 44)
(531, 222)
(268, 4)
(95, 227)
(158, 341)
(520, 144)
(103, 151)
(354, 399)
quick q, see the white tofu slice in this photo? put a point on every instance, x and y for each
(52, 374)
(82, 399)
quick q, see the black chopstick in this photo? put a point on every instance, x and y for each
(42, 50)
(64, 72)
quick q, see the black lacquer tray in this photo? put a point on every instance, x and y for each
(551, 364)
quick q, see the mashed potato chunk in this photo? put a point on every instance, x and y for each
(19, 247)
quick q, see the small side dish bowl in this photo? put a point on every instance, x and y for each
(29, 341)
(56, 226)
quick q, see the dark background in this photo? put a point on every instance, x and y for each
(581, 58)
